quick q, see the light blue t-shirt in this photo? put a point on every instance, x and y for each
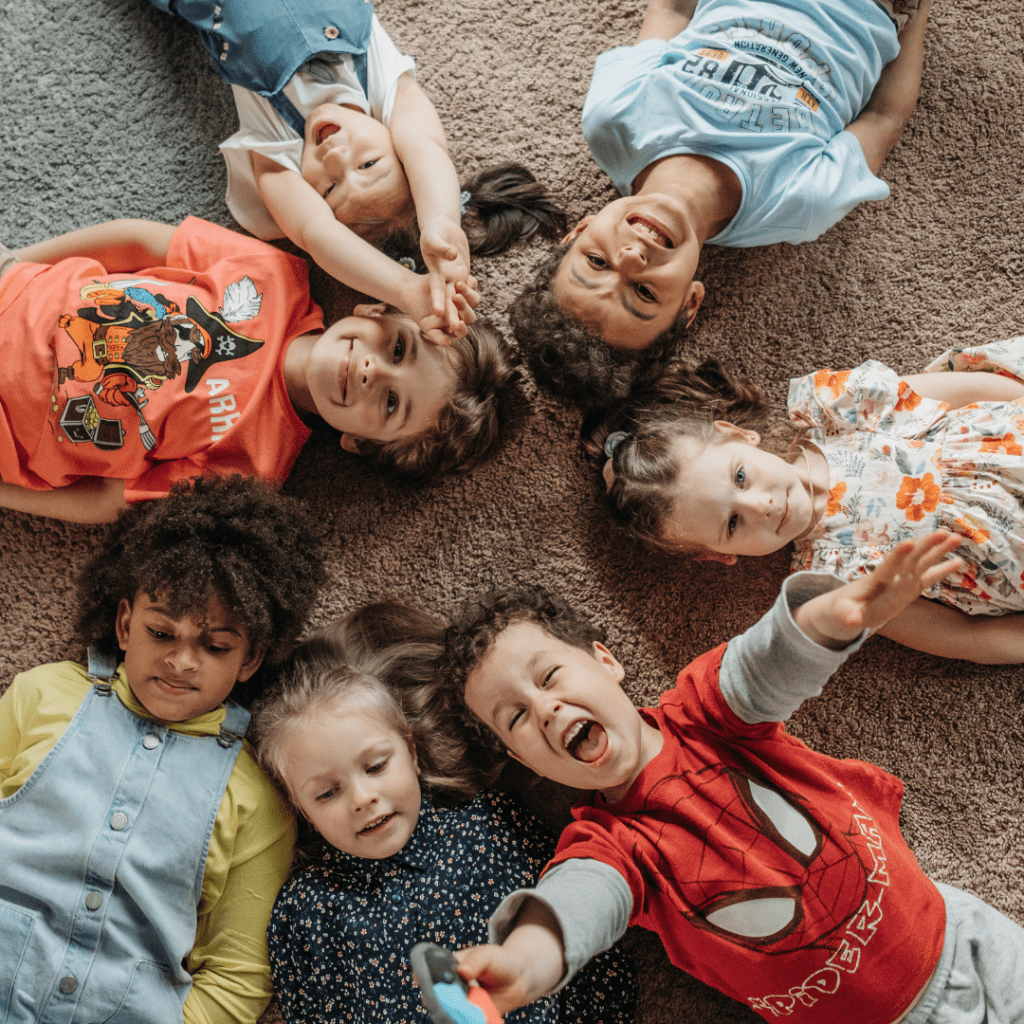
(767, 96)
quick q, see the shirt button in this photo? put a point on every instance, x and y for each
(94, 901)
(68, 984)
(119, 822)
(149, 741)
(332, 32)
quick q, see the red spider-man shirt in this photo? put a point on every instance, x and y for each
(770, 871)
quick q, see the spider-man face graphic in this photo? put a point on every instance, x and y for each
(751, 864)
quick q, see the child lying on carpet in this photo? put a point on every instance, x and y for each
(772, 872)
(142, 845)
(145, 354)
(339, 147)
(366, 761)
(878, 458)
(743, 123)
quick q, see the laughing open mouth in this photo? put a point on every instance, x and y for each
(324, 131)
(585, 740)
(376, 824)
(651, 231)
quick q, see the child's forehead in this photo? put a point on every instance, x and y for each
(206, 612)
(525, 642)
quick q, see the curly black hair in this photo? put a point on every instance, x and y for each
(569, 361)
(473, 631)
(235, 539)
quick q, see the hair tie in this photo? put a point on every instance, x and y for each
(408, 262)
(464, 198)
(614, 439)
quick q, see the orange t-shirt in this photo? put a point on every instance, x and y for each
(155, 375)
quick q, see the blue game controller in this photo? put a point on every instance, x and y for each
(449, 999)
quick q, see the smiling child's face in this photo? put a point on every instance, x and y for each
(748, 502)
(561, 710)
(182, 668)
(629, 273)
(349, 158)
(355, 779)
(376, 378)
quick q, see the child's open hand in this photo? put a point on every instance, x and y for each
(418, 304)
(445, 251)
(913, 566)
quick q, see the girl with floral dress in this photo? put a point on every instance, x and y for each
(878, 458)
(396, 855)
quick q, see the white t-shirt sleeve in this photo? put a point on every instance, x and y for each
(262, 130)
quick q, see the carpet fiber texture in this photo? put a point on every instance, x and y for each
(110, 109)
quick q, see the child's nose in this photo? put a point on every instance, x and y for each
(371, 370)
(632, 254)
(362, 796)
(183, 659)
(551, 708)
(760, 503)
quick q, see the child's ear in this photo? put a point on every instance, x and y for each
(252, 662)
(516, 757)
(609, 661)
(715, 556)
(571, 236)
(351, 443)
(411, 743)
(122, 621)
(731, 431)
(370, 309)
(692, 302)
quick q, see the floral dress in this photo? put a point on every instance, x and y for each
(901, 465)
(342, 927)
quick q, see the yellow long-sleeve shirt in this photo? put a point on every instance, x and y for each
(247, 862)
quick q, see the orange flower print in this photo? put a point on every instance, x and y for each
(908, 398)
(1008, 442)
(976, 533)
(834, 382)
(835, 498)
(909, 490)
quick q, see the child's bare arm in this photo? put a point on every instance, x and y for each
(665, 19)
(835, 619)
(92, 499)
(886, 114)
(120, 245)
(947, 632)
(960, 388)
(421, 145)
(309, 222)
(527, 965)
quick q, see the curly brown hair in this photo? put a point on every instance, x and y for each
(484, 405)
(684, 402)
(473, 631)
(566, 359)
(232, 538)
(379, 659)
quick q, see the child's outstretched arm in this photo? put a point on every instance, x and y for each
(960, 388)
(880, 124)
(421, 145)
(308, 221)
(837, 618)
(665, 19)
(91, 499)
(120, 245)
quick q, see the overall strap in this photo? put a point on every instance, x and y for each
(232, 729)
(286, 109)
(102, 669)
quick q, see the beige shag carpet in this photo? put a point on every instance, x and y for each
(109, 109)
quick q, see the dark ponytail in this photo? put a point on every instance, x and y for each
(684, 402)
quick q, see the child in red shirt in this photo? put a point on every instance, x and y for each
(138, 354)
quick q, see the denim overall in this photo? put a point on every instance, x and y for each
(260, 44)
(101, 870)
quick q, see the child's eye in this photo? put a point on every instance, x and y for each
(547, 678)
(159, 634)
(515, 718)
(392, 403)
(217, 649)
(597, 262)
(741, 477)
(325, 795)
(399, 353)
(329, 190)
(367, 165)
(734, 521)
(377, 767)
(645, 293)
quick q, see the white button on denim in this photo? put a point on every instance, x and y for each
(119, 822)
(68, 984)
(149, 741)
(94, 901)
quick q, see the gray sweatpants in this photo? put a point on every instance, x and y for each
(980, 977)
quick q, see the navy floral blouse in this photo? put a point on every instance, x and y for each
(342, 927)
